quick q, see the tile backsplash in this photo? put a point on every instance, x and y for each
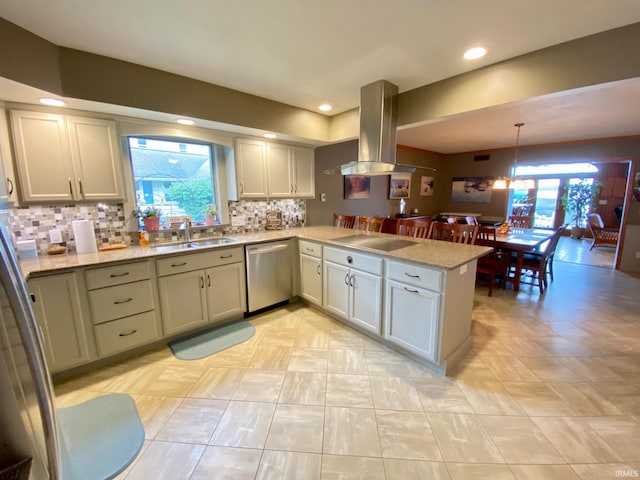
(110, 221)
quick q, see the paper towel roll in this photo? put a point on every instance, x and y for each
(84, 236)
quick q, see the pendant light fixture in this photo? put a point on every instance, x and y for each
(502, 183)
(520, 183)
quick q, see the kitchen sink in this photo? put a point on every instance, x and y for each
(376, 243)
(192, 245)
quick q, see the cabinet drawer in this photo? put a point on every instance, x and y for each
(417, 275)
(126, 333)
(117, 275)
(352, 259)
(199, 261)
(121, 301)
(310, 248)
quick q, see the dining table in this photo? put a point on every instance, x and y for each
(520, 241)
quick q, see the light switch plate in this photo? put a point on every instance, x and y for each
(237, 221)
(55, 236)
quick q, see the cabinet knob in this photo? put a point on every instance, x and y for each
(349, 259)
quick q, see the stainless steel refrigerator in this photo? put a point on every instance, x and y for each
(28, 421)
(94, 440)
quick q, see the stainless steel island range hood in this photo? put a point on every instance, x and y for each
(377, 148)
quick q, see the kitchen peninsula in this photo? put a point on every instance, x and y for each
(413, 295)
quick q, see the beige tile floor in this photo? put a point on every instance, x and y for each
(551, 390)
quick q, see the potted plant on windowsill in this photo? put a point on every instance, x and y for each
(210, 215)
(578, 199)
(150, 217)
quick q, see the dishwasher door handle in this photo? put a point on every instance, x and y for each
(256, 251)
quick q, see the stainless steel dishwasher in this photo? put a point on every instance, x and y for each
(268, 274)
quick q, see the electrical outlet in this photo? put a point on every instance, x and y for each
(55, 236)
(237, 221)
(323, 197)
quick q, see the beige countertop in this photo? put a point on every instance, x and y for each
(434, 253)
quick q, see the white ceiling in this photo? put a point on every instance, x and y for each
(304, 53)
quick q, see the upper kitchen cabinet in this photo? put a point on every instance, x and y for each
(64, 158)
(251, 156)
(8, 191)
(274, 170)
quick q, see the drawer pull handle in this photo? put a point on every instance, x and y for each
(116, 275)
(128, 332)
(351, 280)
(10, 185)
(70, 187)
(318, 270)
(346, 281)
(310, 249)
(179, 264)
(411, 291)
(208, 280)
(201, 282)
(412, 276)
(226, 256)
(126, 300)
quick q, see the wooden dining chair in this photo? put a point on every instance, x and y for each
(413, 228)
(453, 232)
(495, 265)
(520, 221)
(538, 268)
(345, 221)
(370, 224)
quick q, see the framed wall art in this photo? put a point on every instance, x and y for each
(471, 189)
(400, 185)
(357, 186)
(426, 186)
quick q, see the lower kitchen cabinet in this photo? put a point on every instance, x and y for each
(411, 318)
(351, 293)
(226, 295)
(64, 321)
(208, 287)
(311, 271)
(183, 300)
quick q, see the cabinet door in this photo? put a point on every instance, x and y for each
(336, 289)
(251, 168)
(96, 158)
(57, 308)
(280, 174)
(366, 301)
(411, 318)
(304, 182)
(226, 297)
(42, 156)
(7, 180)
(183, 300)
(311, 279)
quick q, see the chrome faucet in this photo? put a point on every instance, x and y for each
(186, 226)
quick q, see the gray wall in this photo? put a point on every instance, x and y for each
(378, 204)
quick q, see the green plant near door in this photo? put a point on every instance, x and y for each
(578, 200)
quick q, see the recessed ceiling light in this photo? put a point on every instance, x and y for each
(52, 102)
(269, 135)
(185, 121)
(325, 107)
(475, 52)
(172, 160)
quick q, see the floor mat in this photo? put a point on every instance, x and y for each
(212, 341)
(100, 437)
